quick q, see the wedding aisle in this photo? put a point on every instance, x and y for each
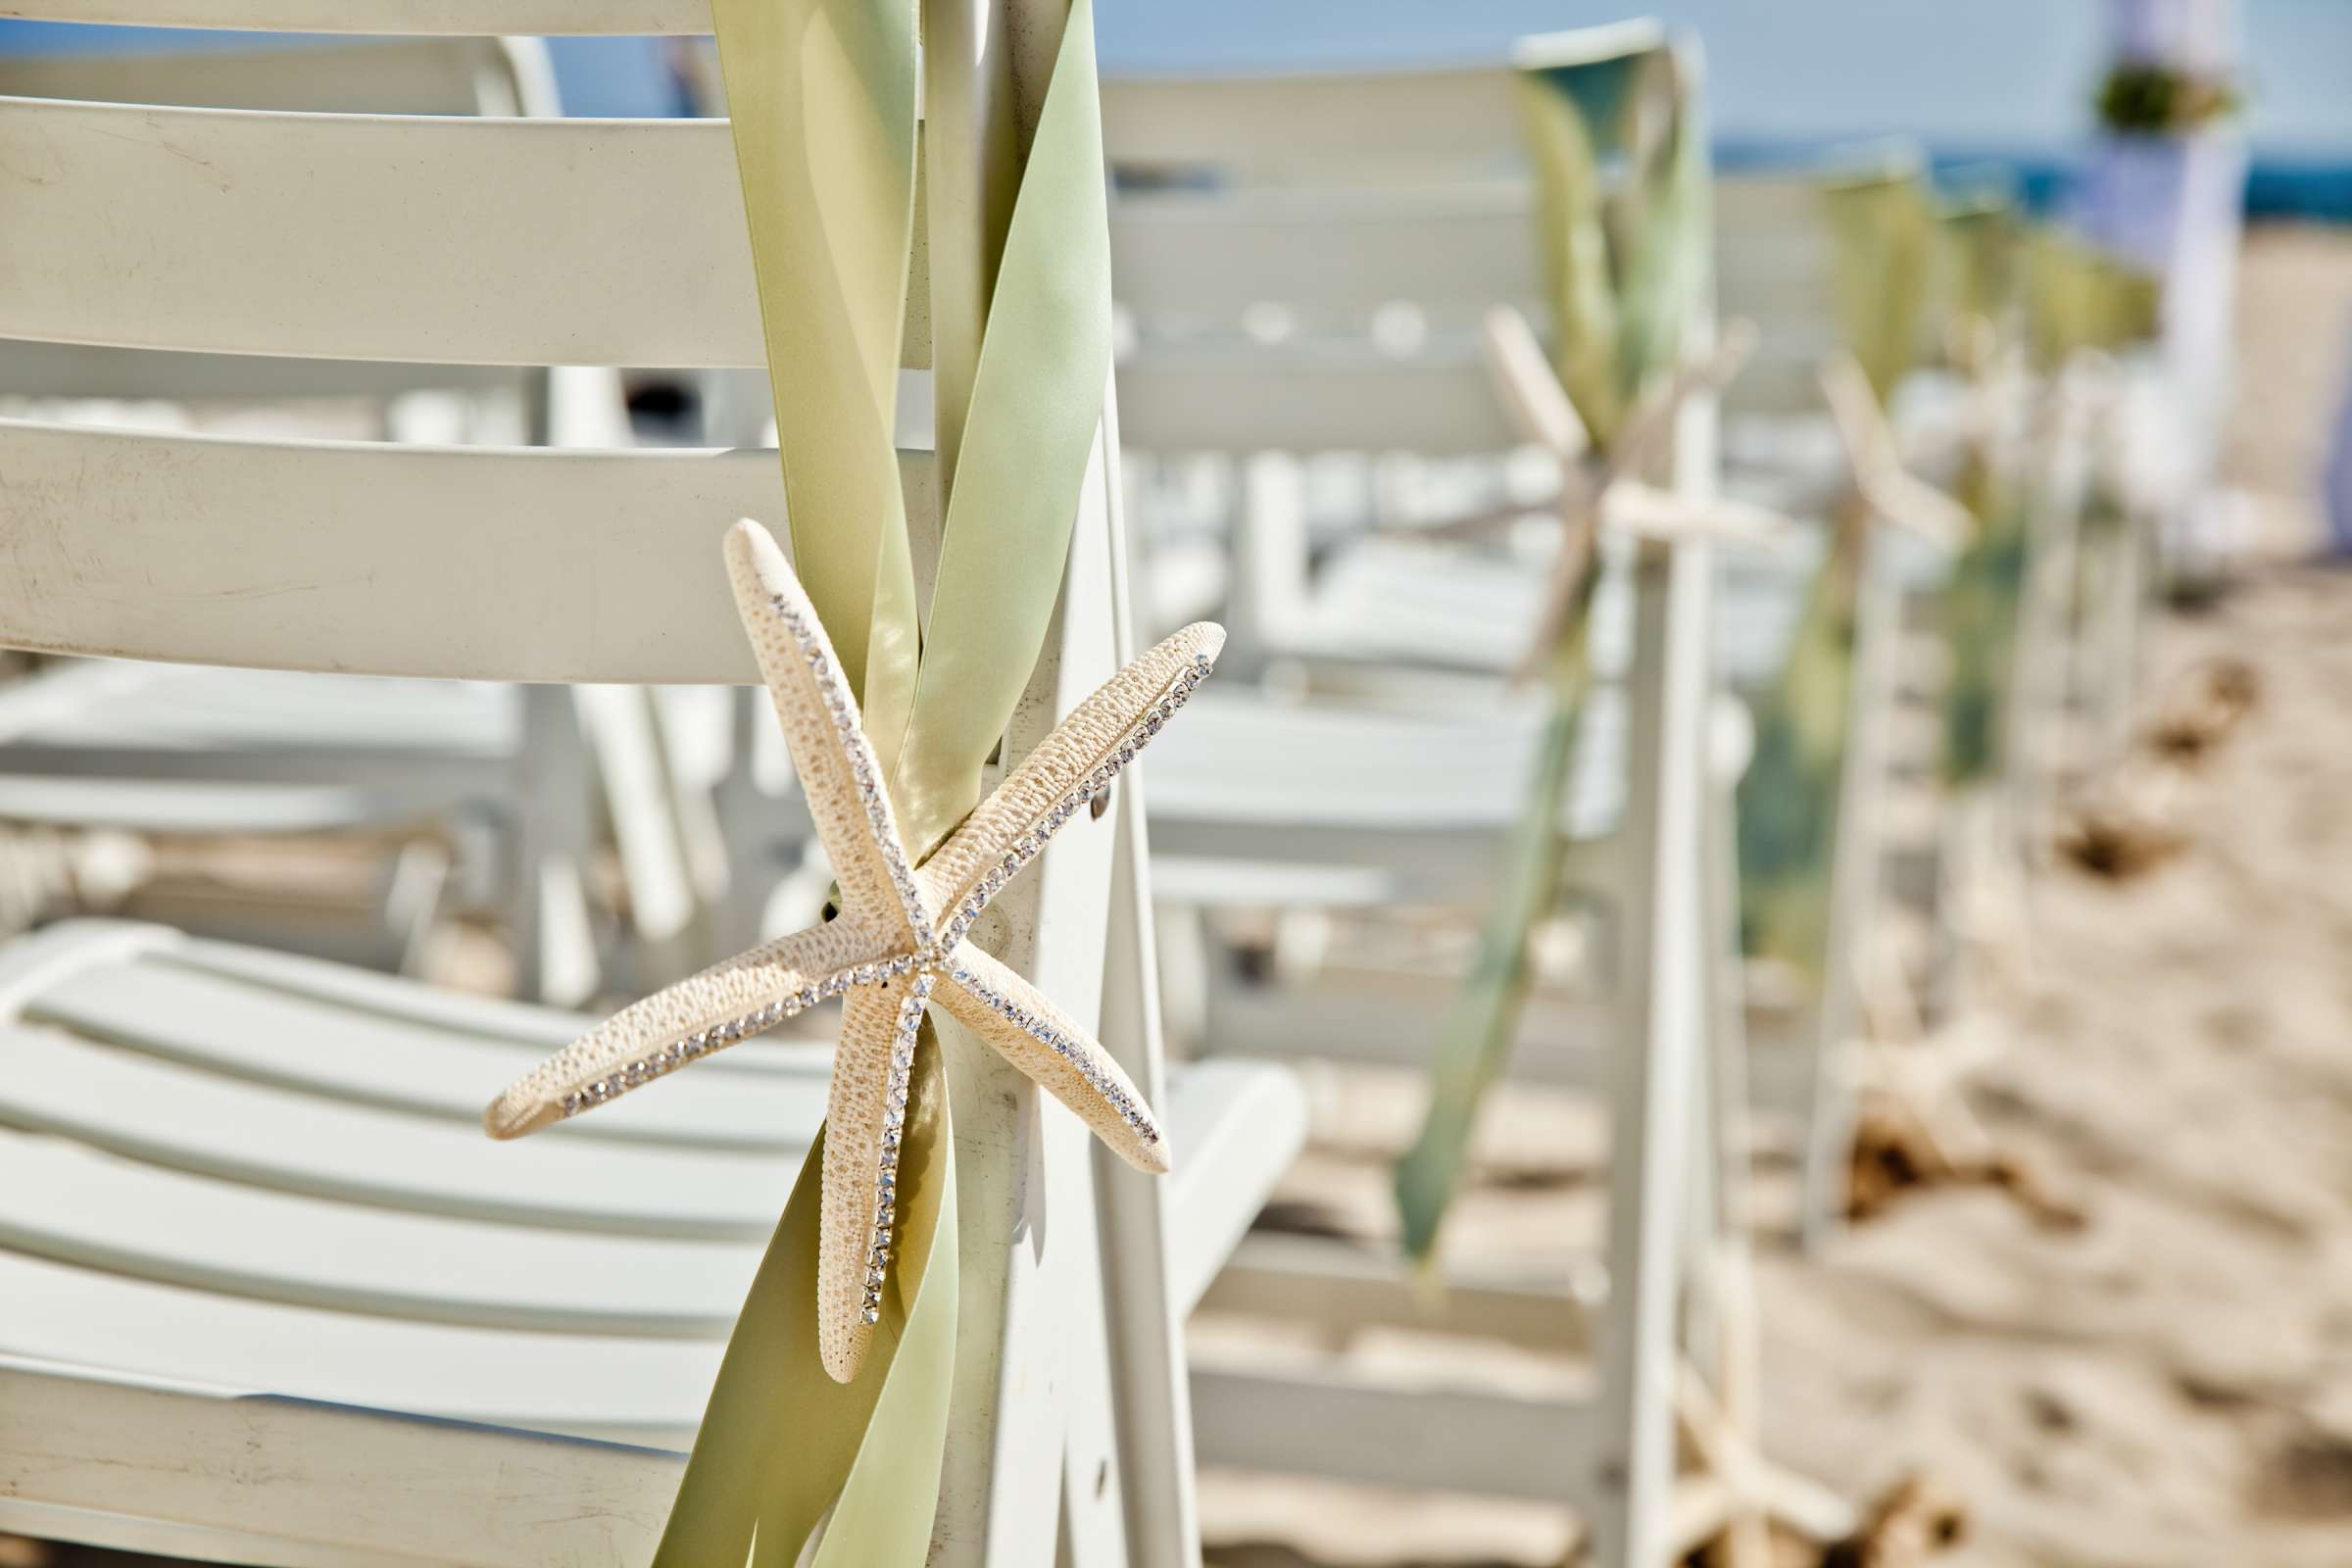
(2167, 1386)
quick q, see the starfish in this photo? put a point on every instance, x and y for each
(899, 944)
(1888, 490)
(1599, 490)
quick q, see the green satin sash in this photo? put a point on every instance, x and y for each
(822, 98)
(1882, 236)
(1619, 155)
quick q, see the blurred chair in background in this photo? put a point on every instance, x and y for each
(1303, 265)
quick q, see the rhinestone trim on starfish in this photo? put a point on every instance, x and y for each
(1130, 1110)
(893, 1122)
(1027, 847)
(865, 771)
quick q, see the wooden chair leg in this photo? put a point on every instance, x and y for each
(1651, 1069)
(1149, 1389)
(555, 946)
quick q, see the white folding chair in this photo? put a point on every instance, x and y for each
(1334, 200)
(271, 1297)
(147, 748)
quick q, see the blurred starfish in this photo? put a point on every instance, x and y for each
(1888, 489)
(898, 945)
(1599, 490)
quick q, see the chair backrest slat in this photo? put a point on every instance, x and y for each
(1332, 256)
(1336, 195)
(1334, 129)
(489, 563)
(1190, 264)
(379, 77)
(1435, 404)
(358, 236)
(388, 18)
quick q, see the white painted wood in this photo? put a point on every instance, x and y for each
(173, 1115)
(1330, 255)
(1420, 799)
(372, 76)
(1633, 1472)
(1856, 869)
(430, 241)
(163, 999)
(1150, 1397)
(98, 1213)
(478, 562)
(1046, 1303)
(555, 952)
(1315, 128)
(107, 1326)
(1329, 1424)
(466, 78)
(385, 17)
(1345, 1287)
(1341, 397)
(316, 1485)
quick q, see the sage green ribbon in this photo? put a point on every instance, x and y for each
(2077, 298)
(1881, 234)
(822, 98)
(1977, 239)
(1981, 606)
(1620, 162)
(1622, 256)
(1790, 794)
(781, 1443)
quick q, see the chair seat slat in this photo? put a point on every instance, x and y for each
(646, 1389)
(179, 1118)
(337, 1054)
(68, 1202)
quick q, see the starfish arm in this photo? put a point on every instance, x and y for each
(864, 1114)
(1067, 1063)
(1871, 451)
(1648, 512)
(685, 1023)
(1074, 765)
(838, 770)
(1530, 388)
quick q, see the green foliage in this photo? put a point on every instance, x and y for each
(2140, 98)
